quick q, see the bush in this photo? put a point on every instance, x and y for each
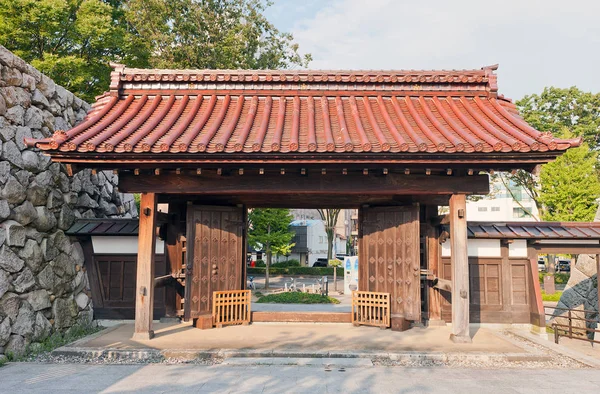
(260, 263)
(284, 264)
(296, 297)
(318, 271)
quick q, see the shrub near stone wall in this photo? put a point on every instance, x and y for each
(43, 284)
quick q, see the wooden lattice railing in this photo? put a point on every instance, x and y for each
(371, 308)
(231, 307)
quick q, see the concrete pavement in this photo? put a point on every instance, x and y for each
(81, 378)
(303, 338)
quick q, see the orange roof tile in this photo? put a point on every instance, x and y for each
(201, 112)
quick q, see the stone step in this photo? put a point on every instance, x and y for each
(300, 361)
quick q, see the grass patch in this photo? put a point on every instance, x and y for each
(2, 362)
(258, 294)
(54, 341)
(551, 297)
(296, 297)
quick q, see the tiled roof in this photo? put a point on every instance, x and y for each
(534, 230)
(488, 230)
(229, 111)
(104, 227)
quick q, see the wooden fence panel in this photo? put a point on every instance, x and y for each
(371, 309)
(231, 307)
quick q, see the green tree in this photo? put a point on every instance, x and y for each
(565, 113)
(329, 218)
(570, 186)
(268, 228)
(282, 250)
(556, 110)
(212, 34)
(73, 41)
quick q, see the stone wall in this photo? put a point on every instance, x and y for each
(43, 284)
(581, 292)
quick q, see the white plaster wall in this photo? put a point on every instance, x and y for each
(518, 248)
(122, 245)
(477, 248)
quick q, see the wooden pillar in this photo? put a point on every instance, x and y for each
(174, 256)
(537, 314)
(144, 298)
(460, 269)
(434, 303)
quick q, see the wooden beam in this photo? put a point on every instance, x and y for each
(565, 248)
(460, 269)
(329, 184)
(443, 284)
(144, 293)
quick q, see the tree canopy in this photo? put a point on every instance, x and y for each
(231, 34)
(570, 186)
(564, 110)
(566, 188)
(73, 41)
(268, 228)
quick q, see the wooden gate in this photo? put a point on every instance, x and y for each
(215, 257)
(389, 259)
(371, 309)
(231, 307)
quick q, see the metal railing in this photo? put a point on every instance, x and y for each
(570, 331)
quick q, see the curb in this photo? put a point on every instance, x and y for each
(154, 354)
(574, 354)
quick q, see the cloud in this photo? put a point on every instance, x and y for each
(536, 43)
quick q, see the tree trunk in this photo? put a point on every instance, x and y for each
(329, 244)
(268, 265)
(335, 278)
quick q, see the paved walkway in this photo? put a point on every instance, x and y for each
(302, 338)
(77, 378)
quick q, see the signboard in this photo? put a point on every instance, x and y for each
(350, 274)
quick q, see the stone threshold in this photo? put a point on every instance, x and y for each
(154, 355)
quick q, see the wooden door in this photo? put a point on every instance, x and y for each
(389, 258)
(215, 254)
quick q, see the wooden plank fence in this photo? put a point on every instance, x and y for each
(371, 309)
(231, 307)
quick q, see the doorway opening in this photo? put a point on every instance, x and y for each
(390, 256)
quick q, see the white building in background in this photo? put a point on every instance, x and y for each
(500, 206)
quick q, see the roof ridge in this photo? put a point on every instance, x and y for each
(484, 75)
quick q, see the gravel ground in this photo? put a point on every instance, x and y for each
(59, 359)
(548, 359)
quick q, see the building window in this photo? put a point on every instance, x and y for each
(520, 213)
(495, 209)
(482, 209)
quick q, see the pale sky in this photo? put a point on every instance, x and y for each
(536, 43)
